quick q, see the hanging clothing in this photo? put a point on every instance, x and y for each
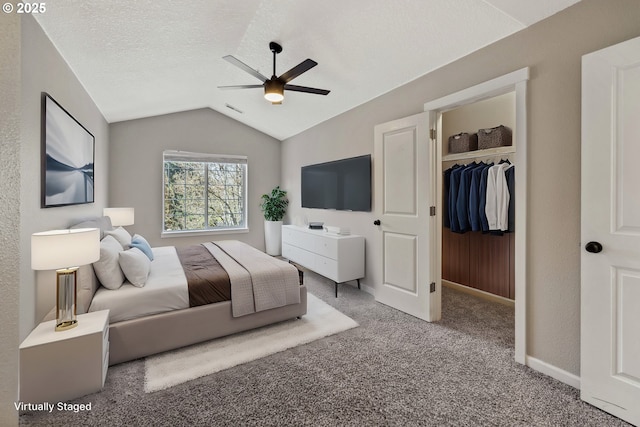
(497, 203)
(479, 197)
(453, 198)
(445, 197)
(462, 202)
(482, 199)
(510, 175)
(475, 215)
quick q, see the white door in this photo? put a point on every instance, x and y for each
(610, 285)
(404, 189)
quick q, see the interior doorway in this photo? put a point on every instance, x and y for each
(513, 88)
(478, 254)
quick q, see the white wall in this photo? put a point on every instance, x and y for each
(136, 167)
(553, 49)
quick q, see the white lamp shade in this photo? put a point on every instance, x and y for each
(119, 216)
(56, 249)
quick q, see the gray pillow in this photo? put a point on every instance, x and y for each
(107, 268)
(121, 235)
(103, 223)
(135, 265)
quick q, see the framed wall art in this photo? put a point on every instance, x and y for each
(68, 156)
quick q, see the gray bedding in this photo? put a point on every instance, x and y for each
(258, 281)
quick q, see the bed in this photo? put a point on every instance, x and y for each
(164, 314)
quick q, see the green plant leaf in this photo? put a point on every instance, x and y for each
(274, 205)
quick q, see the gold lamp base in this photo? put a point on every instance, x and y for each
(69, 324)
(66, 299)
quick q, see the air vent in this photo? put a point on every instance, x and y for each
(234, 108)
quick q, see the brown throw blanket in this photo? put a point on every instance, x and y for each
(208, 282)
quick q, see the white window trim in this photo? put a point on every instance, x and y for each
(186, 156)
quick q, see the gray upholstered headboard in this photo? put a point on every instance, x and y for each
(88, 283)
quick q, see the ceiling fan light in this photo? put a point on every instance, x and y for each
(274, 97)
(273, 92)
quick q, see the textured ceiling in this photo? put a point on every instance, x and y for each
(149, 57)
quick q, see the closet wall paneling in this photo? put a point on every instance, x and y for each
(455, 257)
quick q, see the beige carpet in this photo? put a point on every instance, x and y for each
(175, 367)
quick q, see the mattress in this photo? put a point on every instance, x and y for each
(166, 290)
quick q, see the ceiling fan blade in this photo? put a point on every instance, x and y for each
(302, 67)
(240, 87)
(307, 89)
(245, 67)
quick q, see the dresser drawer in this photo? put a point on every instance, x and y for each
(289, 235)
(105, 336)
(105, 367)
(298, 255)
(288, 251)
(339, 258)
(326, 267)
(326, 246)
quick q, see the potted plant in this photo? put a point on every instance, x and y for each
(274, 206)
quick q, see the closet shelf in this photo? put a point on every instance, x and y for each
(490, 152)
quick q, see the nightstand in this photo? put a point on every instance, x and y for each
(60, 366)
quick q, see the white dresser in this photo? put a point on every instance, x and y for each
(339, 258)
(60, 366)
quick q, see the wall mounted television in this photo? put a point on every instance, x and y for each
(341, 184)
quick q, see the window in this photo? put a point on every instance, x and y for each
(204, 192)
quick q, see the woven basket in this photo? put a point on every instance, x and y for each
(463, 142)
(499, 136)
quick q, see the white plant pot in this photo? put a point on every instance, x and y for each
(273, 237)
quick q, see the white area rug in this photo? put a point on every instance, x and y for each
(178, 366)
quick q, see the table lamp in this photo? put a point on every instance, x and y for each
(119, 216)
(64, 251)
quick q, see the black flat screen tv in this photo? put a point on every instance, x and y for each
(342, 184)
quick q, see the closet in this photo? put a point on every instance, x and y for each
(484, 261)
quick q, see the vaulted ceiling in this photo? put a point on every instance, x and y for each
(145, 58)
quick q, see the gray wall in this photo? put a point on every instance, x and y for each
(44, 70)
(9, 215)
(553, 49)
(136, 167)
(30, 65)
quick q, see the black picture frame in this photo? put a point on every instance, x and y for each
(67, 157)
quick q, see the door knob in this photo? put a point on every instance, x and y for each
(376, 222)
(593, 247)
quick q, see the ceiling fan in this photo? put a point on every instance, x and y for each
(275, 86)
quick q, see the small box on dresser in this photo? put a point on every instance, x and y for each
(60, 366)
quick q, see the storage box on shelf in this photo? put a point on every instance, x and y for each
(463, 142)
(499, 136)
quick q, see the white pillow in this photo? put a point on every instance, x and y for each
(121, 235)
(107, 268)
(135, 265)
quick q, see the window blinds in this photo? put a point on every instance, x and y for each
(186, 156)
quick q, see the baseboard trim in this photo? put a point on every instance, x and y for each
(479, 293)
(553, 371)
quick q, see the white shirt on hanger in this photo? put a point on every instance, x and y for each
(497, 202)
